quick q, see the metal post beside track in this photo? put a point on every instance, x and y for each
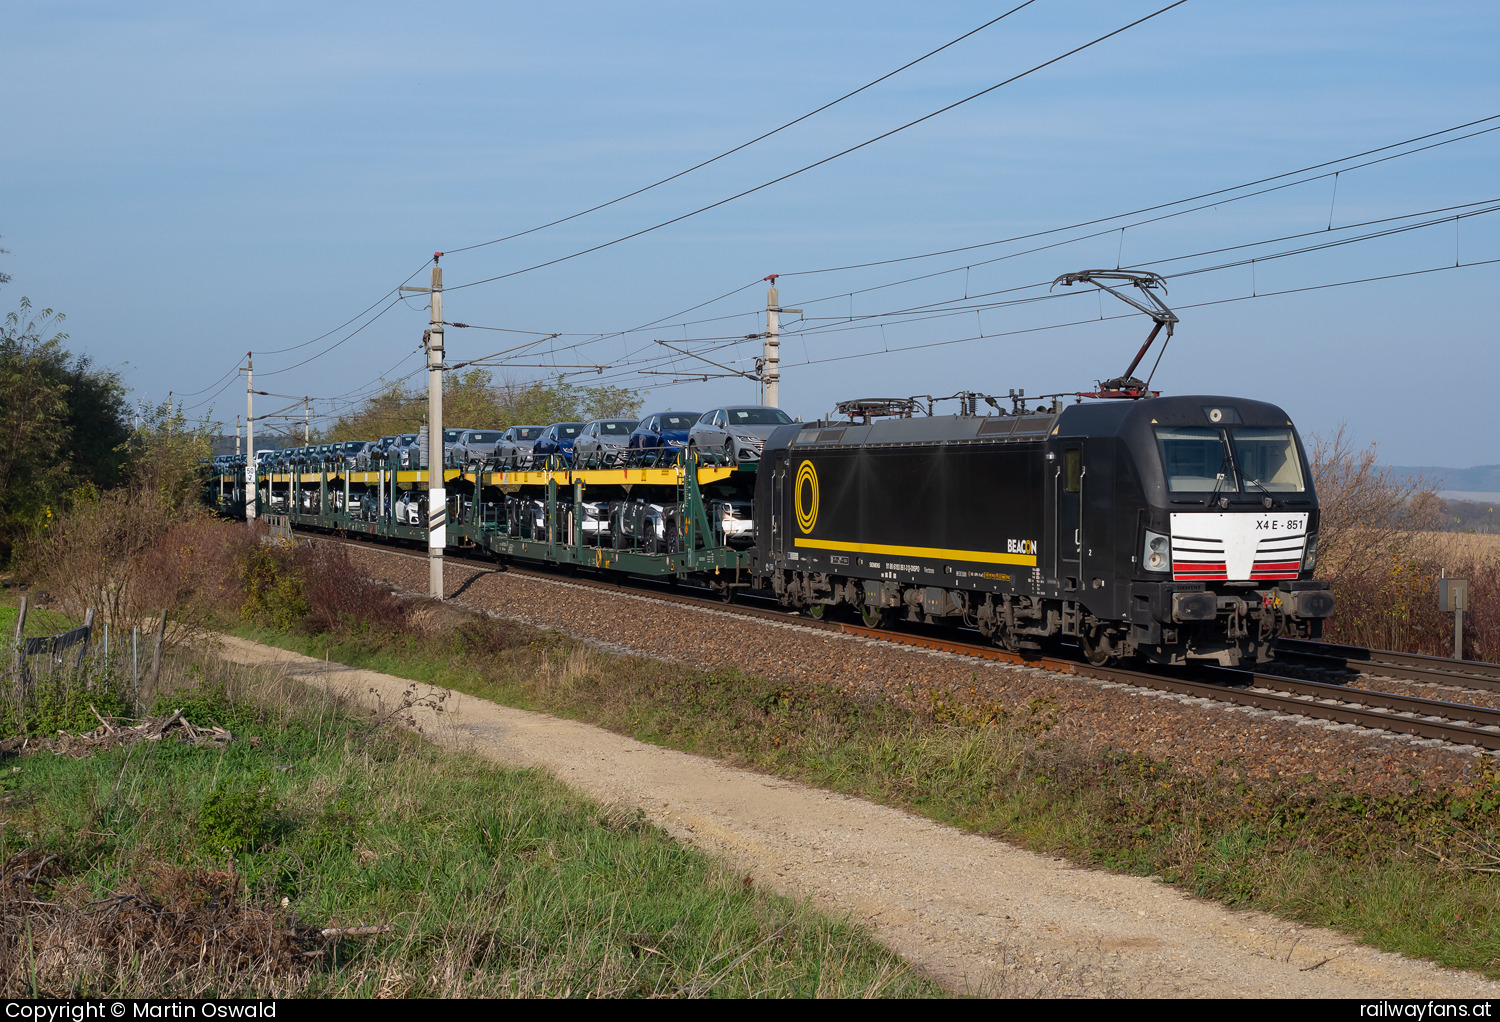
(252, 486)
(772, 353)
(1453, 595)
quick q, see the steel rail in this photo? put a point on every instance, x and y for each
(1477, 674)
(1244, 695)
(1459, 734)
(1482, 716)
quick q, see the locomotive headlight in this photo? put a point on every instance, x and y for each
(1310, 558)
(1156, 555)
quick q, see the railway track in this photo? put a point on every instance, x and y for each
(1456, 723)
(1475, 674)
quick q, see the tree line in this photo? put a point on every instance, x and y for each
(77, 459)
(475, 399)
(64, 428)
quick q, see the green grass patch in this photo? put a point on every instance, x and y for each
(39, 621)
(491, 881)
(59, 696)
(1401, 870)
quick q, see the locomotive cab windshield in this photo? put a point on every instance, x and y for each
(1258, 461)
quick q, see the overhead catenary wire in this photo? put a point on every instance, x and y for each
(831, 324)
(597, 338)
(1128, 315)
(745, 145)
(1178, 202)
(1097, 234)
(211, 397)
(827, 159)
(625, 371)
(353, 333)
(695, 377)
(396, 291)
(844, 294)
(232, 370)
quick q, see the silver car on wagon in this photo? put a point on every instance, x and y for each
(738, 433)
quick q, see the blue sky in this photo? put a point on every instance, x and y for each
(188, 182)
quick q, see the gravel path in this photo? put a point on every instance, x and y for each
(975, 914)
(1197, 734)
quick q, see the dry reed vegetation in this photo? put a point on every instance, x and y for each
(1379, 547)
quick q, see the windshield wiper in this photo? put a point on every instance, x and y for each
(1267, 500)
(1219, 482)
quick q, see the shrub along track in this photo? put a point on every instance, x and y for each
(1437, 727)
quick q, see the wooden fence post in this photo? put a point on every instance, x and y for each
(20, 653)
(88, 637)
(161, 631)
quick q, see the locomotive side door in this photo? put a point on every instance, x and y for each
(778, 512)
(1068, 535)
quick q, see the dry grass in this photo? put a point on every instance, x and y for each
(1460, 546)
(171, 930)
(1392, 603)
(1458, 549)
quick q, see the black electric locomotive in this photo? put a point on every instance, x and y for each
(1165, 527)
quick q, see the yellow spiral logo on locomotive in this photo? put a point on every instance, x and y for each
(807, 511)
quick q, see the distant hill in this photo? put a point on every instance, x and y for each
(1480, 479)
(1472, 516)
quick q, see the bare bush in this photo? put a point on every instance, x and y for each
(85, 557)
(129, 554)
(339, 596)
(1379, 547)
(191, 570)
(1367, 512)
(1397, 607)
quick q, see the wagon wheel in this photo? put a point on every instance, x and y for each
(874, 617)
(817, 610)
(1093, 651)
